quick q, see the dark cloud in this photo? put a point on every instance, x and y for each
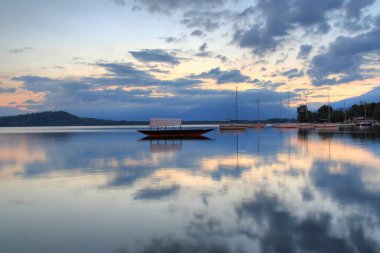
(280, 18)
(203, 47)
(167, 6)
(125, 70)
(119, 2)
(204, 54)
(206, 20)
(293, 73)
(20, 50)
(156, 193)
(197, 33)
(304, 52)
(156, 70)
(172, 39)
(155, 55)
(222, 58)
(354, 8)
(221, 77)
(171, 245)
(31, 102)
(7, 90)
(345, 57)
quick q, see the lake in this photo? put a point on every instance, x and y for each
(104, 189)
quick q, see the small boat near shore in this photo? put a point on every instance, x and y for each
(172, 128)
(287, 125)
(326, 126)
(233, 127)
(346, 125)
(305, 126)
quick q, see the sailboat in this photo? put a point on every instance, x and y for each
(345, 124)
(234, 126)
(327, 126)
(288, 125)
(306, 125)
(364, 122)
(257, 124)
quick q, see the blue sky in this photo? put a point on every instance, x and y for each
(121, 59)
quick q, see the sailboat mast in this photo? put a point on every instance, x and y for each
(288, 108)
(258, 111)
(328, 106)
(345, 113)
(236, 106)
(307, 113)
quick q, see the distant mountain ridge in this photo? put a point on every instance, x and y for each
(58, 118)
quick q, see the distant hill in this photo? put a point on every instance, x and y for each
(58, 118)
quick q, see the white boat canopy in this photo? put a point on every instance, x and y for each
(158, 122)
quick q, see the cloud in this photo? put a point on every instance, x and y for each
(155, 55)
(167, 6)
(344, 58)
(304, 52)
(156, 193)
(197, 33)
(172, 39)
(206, 20)
(355, 8)
(280, 18)
(7, 90)
(221, 77)
(20, 50)
(293, 73)
(203, 47)
(125, 70)
(119, 2)
(222, 58)
(31, 102)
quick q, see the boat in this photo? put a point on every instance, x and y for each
(305, 125)
(171, 128)
(364, 123)
(345, 125)
(258, 124)
(326, 126)
(288, 125)
(234, 125)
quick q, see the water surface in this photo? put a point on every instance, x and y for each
(67, 189)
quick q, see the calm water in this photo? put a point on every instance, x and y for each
(105, 190)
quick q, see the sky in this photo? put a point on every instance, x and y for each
(137, 59)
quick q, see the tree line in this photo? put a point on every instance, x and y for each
(326, 113)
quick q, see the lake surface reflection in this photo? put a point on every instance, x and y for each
(105, 190)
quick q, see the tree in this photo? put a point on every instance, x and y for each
(324, 113)
(303, 114)
(376, 112)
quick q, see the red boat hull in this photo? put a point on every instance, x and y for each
(176, 133)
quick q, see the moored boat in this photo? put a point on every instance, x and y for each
(287, 125)
(305, 126)
(326, 126)
(346, 125)
(233, 126)
(171, 128)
